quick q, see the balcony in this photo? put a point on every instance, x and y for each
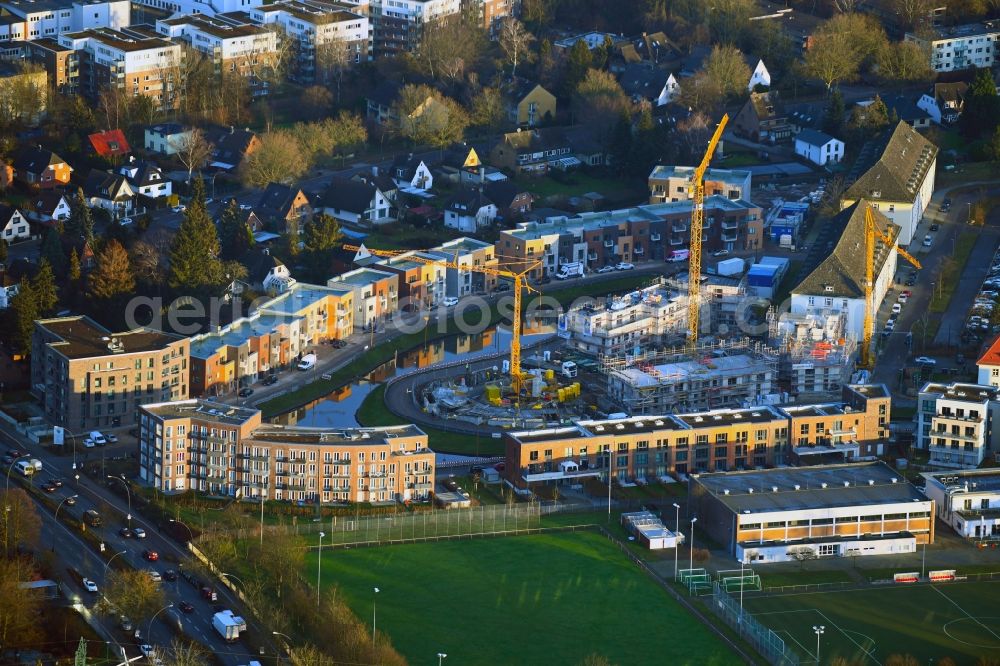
(730, 238)
(654, 237)
(730, 225)
(609, 244)
(639, 250)
(678, 227)
(674, 240)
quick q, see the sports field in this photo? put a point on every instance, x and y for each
(929, 622)
(543, 599)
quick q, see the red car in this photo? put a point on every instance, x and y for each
(151, 555)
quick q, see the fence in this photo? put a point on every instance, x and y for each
(765, 641)
(811, 587)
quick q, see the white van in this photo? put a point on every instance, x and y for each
(308, 362)
(569, 369)
(98, 438)
(25, 467)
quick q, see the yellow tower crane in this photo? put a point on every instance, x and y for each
(697, 225)
(520, 285)
(872, 232)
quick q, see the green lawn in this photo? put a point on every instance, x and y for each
(955, 620)
(948, 281)
(545, 599)
(576, 183)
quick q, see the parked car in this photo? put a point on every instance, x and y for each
(88, 443)
(935, 227)
(125, 221)
(624, 266)
(720, 253)
(246, 392)
(897, 308)
(147, 650)
(245, 207)
(269, 380)
(924, 360)
(606, 269)
(155, 575)
(179, 209)
(903, 298)
(928, 239)
(112, 439)
(125, 623)
(450, 301)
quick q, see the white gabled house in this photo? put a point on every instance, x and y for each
(468, 211)
(13, 224)
(759, 77)
(818, 147)
(147, 179)
(412, 173)
(49, 206)
(355, 202)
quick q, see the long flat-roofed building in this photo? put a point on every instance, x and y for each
(90, 378)
(780, 515)
(227, 451)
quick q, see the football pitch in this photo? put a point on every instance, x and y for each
(543, 599)
(957, 620)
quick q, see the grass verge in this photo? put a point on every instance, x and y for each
(951, 272)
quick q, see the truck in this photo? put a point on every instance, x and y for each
(229, 625)
(679, 255)
(308, 362)
(570, 270)
(569, 369)
(730, 267)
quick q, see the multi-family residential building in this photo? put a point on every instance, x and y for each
(166, 138)
(836, 284)
(783, 515)
(207, 7)
(397, 25)
(968, 500)
(135, 60)
(491, 13)
(644, 233)
(234, 47)
(529, 104)
(58, 62)
(224, 450)
(957, 424)
(329, 36)
(421, 281)
(40, 19)
(88, 377)
(470, 254)
(989, 366)
(275, 335)
(654, 446)
(944, 102)
(533, 151)
(960, 46)
(896, 177)
(376, 294)
(673, 183)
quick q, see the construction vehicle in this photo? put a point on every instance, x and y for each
(697, 226)
(520, 286)
(872, 232)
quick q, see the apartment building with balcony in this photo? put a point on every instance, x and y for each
(646, 448)
(643, 233)
(88, 377)
(376, 294)
(397, 25)
(470, 254)
(328, 35)
(960, 46)
(221, 450)
(956, 424)
(273, 337)
(780, 515)
(673, 183)
(233, 46)
(30, 20)
(422, 281)
(135, 60)
(968, 500)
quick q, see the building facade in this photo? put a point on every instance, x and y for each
(227, 451)
(673, 183)
(376, 295)
(89, 378)
(397, 25)
(956, 424)
(969, 501)
(960, 46)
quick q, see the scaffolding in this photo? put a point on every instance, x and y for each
(817, 354)
(727, 373)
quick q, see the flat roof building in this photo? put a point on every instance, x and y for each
(968, 500)
(957, 423)
(786, 514)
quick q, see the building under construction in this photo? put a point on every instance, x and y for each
(736, 373)
(817, 353)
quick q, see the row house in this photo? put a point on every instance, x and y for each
(472, 257)
(643, 233)
(274, 336)
(376, 294)
(213, 448)
(421, 279)
(135, 60)
(328, 35)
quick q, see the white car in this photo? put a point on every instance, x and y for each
(606, 269)
(179, 209)
(928, 239)
(147, 650)
(721, 253)
(112, 439)
(139, 533)
(155, 575)
(450, 302)
(624, 266)
(924, 360)
(88, 443)
(897, 308)
(89, 585)
(891, 324)
(125, 221)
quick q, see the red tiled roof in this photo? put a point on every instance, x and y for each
(110, 143)
(992, 355)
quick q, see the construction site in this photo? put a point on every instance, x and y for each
(727, 373)
(817, 354)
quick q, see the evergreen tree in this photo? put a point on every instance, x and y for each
(24, 307)
(81, 222)
(52, 249)
(235, 237)
(982, 106)
(44, 287)
(322, 236)
(578, 62)
(3, 251)
(834, 116)
(621, 139)
(112, 276)
(195, 268)
(74, 273)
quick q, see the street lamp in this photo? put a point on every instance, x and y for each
(128, 493)
(149, 627)
(441, 657)
(10, 468)
(184, 525)
(677, 534)
(319, 566)
(818, 630)
(108, 563)
(694, 519)
(60, 505)
(374, 597)
(288, 643)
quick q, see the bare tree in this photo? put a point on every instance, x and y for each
(448, 46)
(333, 59)
(21, 524)
(515, 40)
(184, 653)
(726, 68)
(192, 149)
(914, 13)
(113, 104)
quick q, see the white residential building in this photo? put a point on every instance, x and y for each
(13, 224)
(165, 138)
(397, 25)
(957, 424)
(51, 18)
(944, 102)
(759, 77)
(206, 7)
(961, 46)
(968, 500)
(818, 147)
(989, 366)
